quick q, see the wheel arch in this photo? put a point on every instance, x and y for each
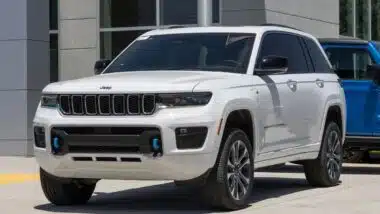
(334, 110)
(234, 112)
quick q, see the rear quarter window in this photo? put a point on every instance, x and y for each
(320, 63)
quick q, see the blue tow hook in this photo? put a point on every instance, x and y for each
(56, 145)
(155, 144)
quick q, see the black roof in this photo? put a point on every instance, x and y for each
(346, 40)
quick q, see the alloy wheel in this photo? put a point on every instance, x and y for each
(239, 169)
(334, 155)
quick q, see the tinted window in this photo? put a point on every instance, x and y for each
(319, 61)
(377, 46)
(194, 51)
(350, 63)
(285, 45)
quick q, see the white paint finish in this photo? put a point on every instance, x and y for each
(277, 105)
(323, 10)
(314, 27)
(74, 9)
(78, 34)
(76, 63)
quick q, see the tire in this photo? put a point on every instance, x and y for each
(217, 191)
(325, 171)
(60, 192)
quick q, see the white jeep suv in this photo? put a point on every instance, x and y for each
(202, 106)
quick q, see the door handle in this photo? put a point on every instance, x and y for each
(320, 83)
(291, 84)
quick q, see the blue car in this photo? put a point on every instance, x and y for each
(357, 63)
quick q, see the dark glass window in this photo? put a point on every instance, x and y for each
(215, 11)
(375, 20)
(179, 12)
(112, 43)
(53, 57)
(53, 14)
(223, 52)
(346, 17)
(377, 46)
(126, 13)
(285, 45)
(350, 63)
(362, 19)
(320, 63)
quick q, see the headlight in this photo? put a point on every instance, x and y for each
(184, 99)
(49, 101)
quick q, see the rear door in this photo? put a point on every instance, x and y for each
(324, 83)
(362, 96)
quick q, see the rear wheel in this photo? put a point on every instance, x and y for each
(65, 192)
(229, 185)
(325, 171)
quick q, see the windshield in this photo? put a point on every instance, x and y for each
(226, 52)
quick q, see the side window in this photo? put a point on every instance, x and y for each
(319, 61)
(285, 45)
(350, 63)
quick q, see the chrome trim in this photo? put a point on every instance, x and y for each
(85, 105)
(113, 104)
(109, 106)
(143, 102)
(138, 104)
(69, 103)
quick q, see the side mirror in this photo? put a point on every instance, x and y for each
(272, 65)
(100, 65)
(374, 72)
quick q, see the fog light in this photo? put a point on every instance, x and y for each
(39, 137)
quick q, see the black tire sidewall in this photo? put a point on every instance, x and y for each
(331, 126)
(233, 136)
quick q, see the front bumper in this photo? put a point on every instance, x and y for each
(173, 164)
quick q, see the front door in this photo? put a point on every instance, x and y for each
(284, 124)
(362, 95)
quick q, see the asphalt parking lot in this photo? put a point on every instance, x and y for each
(281, 190)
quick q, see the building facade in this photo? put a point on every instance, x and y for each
(44, 41)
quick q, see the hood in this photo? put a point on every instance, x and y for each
(136, 82)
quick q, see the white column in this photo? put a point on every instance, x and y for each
(204, 12)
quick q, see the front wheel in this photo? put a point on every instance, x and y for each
(229, 185)
(64, 192)
(325, 171)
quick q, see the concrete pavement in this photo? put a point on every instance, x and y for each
(283, 190)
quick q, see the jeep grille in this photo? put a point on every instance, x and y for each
(107, 104)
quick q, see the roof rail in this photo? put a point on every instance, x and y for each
(279, 25)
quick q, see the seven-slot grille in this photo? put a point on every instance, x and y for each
(107, 104)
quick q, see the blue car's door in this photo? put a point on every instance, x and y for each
(362, 95)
